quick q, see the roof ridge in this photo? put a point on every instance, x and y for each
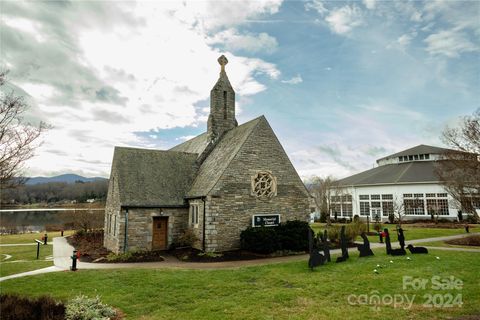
(151, 150)
(236, 152)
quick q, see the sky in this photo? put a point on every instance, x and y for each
(341, 83)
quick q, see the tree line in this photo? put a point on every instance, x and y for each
(53, 192)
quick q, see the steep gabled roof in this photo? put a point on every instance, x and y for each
(410, 172)
(195, 145)
(219, 158)
(153, 177)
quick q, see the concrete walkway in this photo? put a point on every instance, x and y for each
(62, 252)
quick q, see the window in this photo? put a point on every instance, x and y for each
(441, 195)
(418, 195)
(416, 157)
(194, 215)
(405, 158)
(347, 210)
(414, 206)
(114, 224)
(437, 206)
(375, 197)
(387, 196)
(347, 198)
(376, 204)
(364, 197)
(387, 207)
(109, 223)
(427, 156)
(422, 157)
(264, 185)
(400, 159)
(430, 195)
(364, 208)
(224, 104)
(407, 195)
(410, 158)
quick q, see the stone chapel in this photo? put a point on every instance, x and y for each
(216, 184)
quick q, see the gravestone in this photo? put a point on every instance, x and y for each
(364, 248)
(343, 244)
(388, 244)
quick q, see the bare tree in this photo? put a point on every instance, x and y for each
(18, 139)
(322, 189)
(459, 171)
(399, 209)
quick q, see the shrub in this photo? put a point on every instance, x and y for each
(13, 307)
(333, 233)
(260, 239)
(356, 218)
(186, 239)
(472, 218)
(293, 235)
(84, 308)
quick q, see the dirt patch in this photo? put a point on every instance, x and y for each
(467, 241)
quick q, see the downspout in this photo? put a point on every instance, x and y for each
(204, 221)
(125, 238)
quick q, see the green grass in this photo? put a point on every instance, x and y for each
(27, 255)
(30, 237)
(411, 232)
(280, 291)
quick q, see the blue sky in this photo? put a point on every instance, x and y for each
(341, 83)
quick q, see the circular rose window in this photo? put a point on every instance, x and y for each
(264, 184)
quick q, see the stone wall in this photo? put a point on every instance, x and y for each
(140, 224)
(112, 208)
(231, 205)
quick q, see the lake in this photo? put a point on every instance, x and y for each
(50, 219)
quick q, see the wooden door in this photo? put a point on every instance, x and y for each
(160, 233)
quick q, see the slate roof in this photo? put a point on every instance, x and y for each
(153, 178)
(220, 157)
(409, 172)
(194, 145)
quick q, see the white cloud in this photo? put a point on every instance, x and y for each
(449, 43)
(161, 69)
(316, 5)
(233, 40)
(295, 80)
(370, 4)
(344, 19)
(24, 25)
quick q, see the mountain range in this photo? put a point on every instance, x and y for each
(68, 178)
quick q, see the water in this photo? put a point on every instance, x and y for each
(37, 220)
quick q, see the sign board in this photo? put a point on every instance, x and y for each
(266, 220)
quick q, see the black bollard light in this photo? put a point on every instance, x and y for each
(38, 247)
(45, 238)
(381, 237)
(467, 229)
(74, 261)
(61, 233)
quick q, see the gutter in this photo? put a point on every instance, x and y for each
(204, 221)
(125, 238)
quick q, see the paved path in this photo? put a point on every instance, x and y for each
(22, 244)
(62, 252)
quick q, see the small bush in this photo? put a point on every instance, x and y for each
(186, 239)
(472, 218)
(391, 218)
(260, 240)
(293, 235)
(13, 307)
(84, 308)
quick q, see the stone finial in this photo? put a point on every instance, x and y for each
(223, 61)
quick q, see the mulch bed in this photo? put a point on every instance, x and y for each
(90, 245)
(467, 241)
(195, 255)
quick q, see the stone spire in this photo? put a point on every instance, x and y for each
(222, 105)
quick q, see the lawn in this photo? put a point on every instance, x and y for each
(30, 237)
(280, 291)
(24, 259)
(411, 232)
